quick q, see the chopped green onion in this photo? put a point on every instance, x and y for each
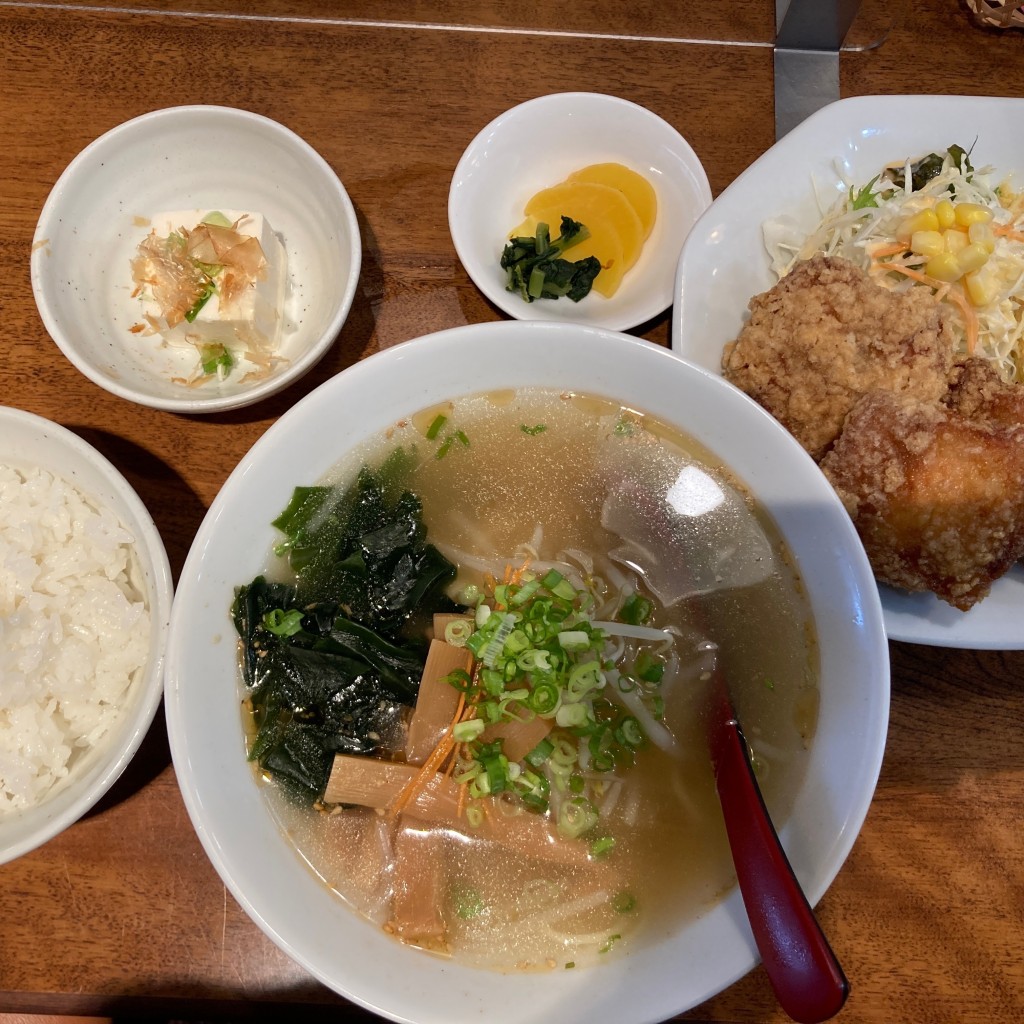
(649, 667)
(551, 579)
(457, 632)
(435, 426)
(602, 847)
(464, 732)
(570, 716)
(584, 678)
(497, 774)
(629, 732)
(533, 431)
(534, 660)
(574, 640)
(460, 679)
(468, 902)
(282, 623)
(216, 218)
(623, 902)
(525, 592)
(611, 940)
(497, 642)
(576, 816)
(215, 357)
(540, 753)
(545, 699)
(635, 610)
(202, 300)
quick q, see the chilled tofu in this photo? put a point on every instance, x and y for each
(248, 318)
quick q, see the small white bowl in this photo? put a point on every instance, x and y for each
(182, 158)
(539, 143)
(696, 957)
(28, 441)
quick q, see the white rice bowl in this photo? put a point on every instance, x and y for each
(84, 602)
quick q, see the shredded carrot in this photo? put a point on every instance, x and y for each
(888, 250)
(437, 756)
(517, 576)
(1008, 231)
(953, 294)
(461, 806)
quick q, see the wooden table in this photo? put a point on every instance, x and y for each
(123, 914)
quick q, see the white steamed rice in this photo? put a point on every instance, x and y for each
(74, 630)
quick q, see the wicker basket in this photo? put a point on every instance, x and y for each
(993, 14)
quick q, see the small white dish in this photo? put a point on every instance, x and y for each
(693, 958)
(539, 143)
(28, 441)
(724, 263)
(182, 158)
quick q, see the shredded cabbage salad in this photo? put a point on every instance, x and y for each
(938, 223)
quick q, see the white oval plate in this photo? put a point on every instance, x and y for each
(724, 263)
(540, 143)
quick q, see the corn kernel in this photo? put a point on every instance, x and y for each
(927, 243)
(924, 220)
(983, 235)
(943, 267)
(981, 288)
(945, 213)
(972, 213)
(972, 257)
(954, 239)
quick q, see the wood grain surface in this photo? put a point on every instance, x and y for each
(123, 914)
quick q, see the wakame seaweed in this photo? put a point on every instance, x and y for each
(339, 683)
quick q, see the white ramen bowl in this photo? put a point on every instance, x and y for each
(28, 441)
(186, 158)
(699, 956)
(539, 143)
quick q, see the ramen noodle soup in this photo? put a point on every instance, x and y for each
(539, 795)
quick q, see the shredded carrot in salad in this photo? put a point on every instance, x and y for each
(910, 231)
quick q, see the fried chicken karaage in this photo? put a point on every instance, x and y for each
(936, 490)
(825, 336)
(927, 456)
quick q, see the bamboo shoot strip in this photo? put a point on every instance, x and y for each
(437, 700)
(519, 736)
(371, 782)
(418, 889)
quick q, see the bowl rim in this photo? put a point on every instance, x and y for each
(62, 809)
(193, 403)
(859, 612)
(575, 100)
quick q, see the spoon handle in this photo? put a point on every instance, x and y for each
(804, 972)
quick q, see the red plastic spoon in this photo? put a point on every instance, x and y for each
(803, 970)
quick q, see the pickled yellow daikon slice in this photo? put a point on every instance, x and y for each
(634, 186)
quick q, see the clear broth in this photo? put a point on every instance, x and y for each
(483, 502)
